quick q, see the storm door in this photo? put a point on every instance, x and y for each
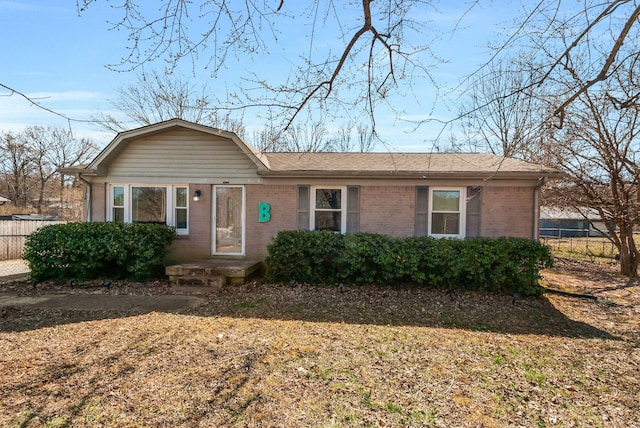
(228, 220)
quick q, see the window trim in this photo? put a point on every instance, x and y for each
(343, 207)
(174, 191)
(462, 208)
(113, 206)
(171, 194)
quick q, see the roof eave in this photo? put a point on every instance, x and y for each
(74, 170)
(501, 175)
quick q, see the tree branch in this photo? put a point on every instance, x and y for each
(603, 74)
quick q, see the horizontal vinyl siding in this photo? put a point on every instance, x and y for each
(182, 154)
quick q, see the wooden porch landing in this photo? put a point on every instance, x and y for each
(213, 273)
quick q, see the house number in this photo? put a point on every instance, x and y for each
(264, 214)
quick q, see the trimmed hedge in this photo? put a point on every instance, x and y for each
(95, 250)
(501, 265)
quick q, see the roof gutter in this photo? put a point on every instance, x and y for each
(536, 207)
(88, 196)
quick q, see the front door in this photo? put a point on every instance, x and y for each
(228, 220)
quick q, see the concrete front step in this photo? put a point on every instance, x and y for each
(213, 273)
(212, 281)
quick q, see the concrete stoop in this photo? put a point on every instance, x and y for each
(211, 275)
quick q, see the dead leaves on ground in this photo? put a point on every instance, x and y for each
(299, 356)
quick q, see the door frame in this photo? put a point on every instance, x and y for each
(214, 219)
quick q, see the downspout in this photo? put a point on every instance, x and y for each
(536, 208)
(88, 219)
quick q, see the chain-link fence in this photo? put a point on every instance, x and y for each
(11, 251)
(13, 235)
(582, 248)
(10, 269)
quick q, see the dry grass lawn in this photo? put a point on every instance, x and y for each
(291, 356)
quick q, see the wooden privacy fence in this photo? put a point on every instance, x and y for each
(13, 234)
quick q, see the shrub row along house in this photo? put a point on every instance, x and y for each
(227, 199)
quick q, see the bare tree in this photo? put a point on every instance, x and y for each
(311, 138)
(555, 33)
(358, 53)
(267, 140)
(365, 136)
(375, 49)
(52, 148)
(158, 97)
(598, 148)
(501, 113)
(344, 141)
(16, 163)
(379, 45)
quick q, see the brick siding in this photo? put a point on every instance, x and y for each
(507, 211)
(283, 202)
(387, 209)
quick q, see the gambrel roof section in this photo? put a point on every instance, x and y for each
(99, 166)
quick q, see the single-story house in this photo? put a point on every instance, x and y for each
(227, 199)
(566, 222)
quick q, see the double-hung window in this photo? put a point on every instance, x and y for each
(142, 203)
(328, 209)
(447, 212)
(117, 203)
(181, 208)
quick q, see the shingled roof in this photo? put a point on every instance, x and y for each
(401, 164)
(334, 165)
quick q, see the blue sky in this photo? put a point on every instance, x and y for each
(60, 58)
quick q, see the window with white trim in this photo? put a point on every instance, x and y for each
(182, 208)
(148, 203)
(117, 203)
(447, 212)
(329, 209)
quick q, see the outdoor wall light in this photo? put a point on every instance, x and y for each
(196, 195)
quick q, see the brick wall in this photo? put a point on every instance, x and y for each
(98, 200)
(198, 243)
(283, 202)
(387, 209)
(507, 211)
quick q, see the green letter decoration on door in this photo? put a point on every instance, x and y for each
(263, 212)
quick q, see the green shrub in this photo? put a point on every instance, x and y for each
(305, 257)
(94, 250)
(503, 265)
(366, 258)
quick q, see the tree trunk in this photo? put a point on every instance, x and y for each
(629, 257)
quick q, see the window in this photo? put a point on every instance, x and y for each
(447, 213)
(150, 204)
(328, 209)
(182, 209)
(117, 204)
